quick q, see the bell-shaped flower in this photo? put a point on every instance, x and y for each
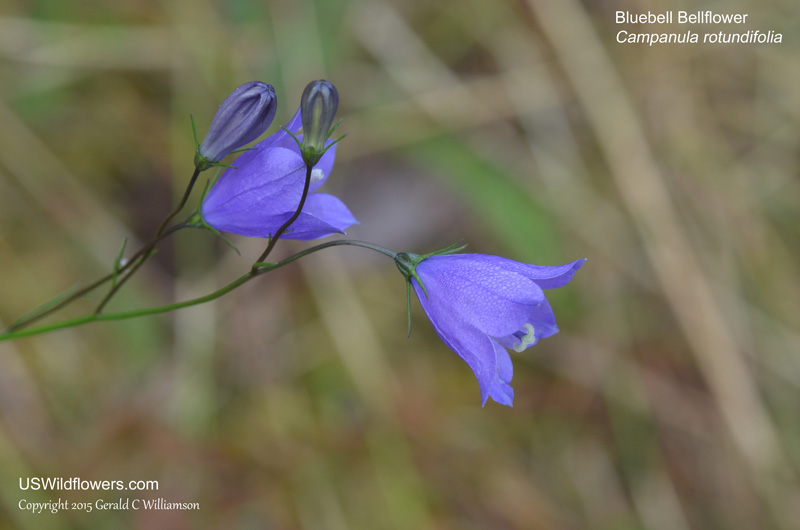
(244, 116)
(264, 190)
(481, 305)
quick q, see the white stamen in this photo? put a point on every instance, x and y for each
(527, 339)
(317, 175)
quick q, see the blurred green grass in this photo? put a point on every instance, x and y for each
(667, 401)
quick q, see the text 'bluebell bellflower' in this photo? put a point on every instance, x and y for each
(480, 305)
(244, 116)
(264, 190)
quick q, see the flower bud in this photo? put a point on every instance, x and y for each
(244, 116)
(318, 109)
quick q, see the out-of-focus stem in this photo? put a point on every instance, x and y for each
(257, 270)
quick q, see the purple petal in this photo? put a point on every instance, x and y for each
(243, 200)
(277, 139)
(323, 215)
(296, 123)
(544, 276)
(322, 170)
(494, 300)
(474, 347)
(543, 321)
(500, 390)
(281, 139)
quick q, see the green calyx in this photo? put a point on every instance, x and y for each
(407, 264)
(311, 154)
(202, 163)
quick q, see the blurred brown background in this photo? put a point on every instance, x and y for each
(668, 401)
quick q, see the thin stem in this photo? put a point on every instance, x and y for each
(274, 237)
(94, 285)
(180, 204)
(338, 243)
(121, 282)
(147, 251)
(253, 273)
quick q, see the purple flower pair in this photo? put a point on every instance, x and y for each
(479, 305)
(264, 190)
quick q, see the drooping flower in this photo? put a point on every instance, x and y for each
(264, 190)
(244, 116)
(480, 305)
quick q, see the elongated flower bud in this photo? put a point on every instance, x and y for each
(318, 109)
(244, 116)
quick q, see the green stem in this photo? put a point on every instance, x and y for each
(147, 251)
(180, 204)
(116, 287)
(257, 270)
(94, 285)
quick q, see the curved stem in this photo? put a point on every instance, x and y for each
(274, 238)
(121, 282)
(338, 243)
(180, 204)
(94, 285)
(147, 251)
(258, 270)
(135, 261)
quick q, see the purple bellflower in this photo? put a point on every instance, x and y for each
(263, 191)
(244, 116)
(482, 305)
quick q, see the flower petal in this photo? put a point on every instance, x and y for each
(280, 138)
(543, 321)
(493, 299)
(544, 276)
(500, 390)
(322, 169)
(244, 200)
(323, 215)
(277, 139)
(296, 123)
(474, 347)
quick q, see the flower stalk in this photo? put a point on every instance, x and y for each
(53, 306)
(258, 270)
